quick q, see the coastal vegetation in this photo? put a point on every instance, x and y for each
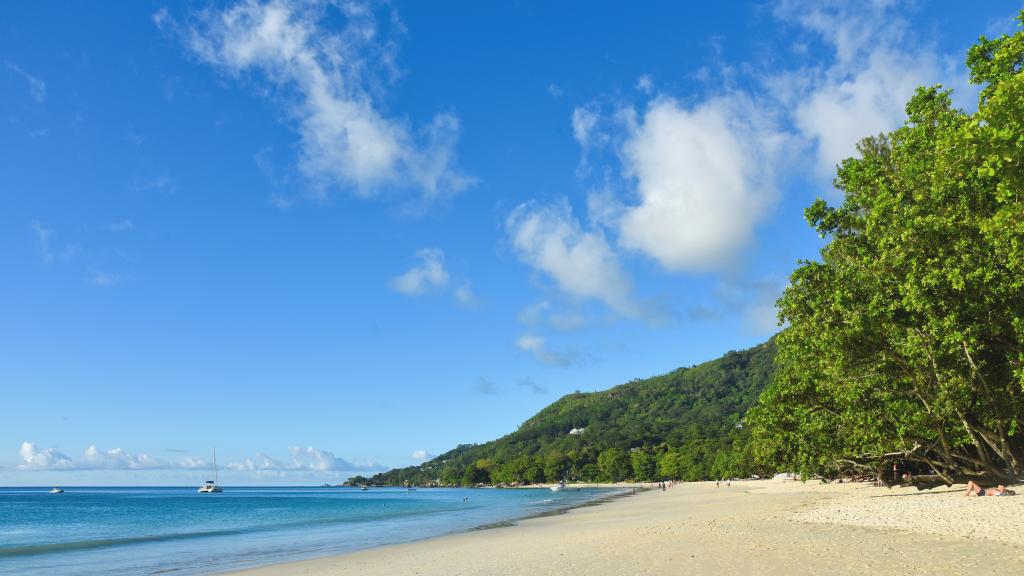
(684, 425)
(904, 345)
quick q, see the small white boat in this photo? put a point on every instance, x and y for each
(210, 486)
(57, 490)
(363, 488)
(558, 487)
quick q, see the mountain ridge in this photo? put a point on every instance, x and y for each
(686, 424)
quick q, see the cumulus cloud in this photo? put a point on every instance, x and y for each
(536, 346)
(36, 87)
(428, 274)
(876, 67)
(35, 458)
(551, 240)
(119, 459)
(303, 459)
(332, 79)
(703, 176)
(422, 455)
(698, 175)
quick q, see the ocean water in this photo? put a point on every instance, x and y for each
(177, 531)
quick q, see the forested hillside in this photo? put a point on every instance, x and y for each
(687, 424)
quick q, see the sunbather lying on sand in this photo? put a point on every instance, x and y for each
(975, 490)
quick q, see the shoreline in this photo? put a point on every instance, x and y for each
(765, 527)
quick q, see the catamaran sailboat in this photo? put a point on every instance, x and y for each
(211, 485)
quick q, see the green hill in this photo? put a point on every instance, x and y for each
(687, 424)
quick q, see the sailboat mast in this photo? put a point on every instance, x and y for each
(215, 479)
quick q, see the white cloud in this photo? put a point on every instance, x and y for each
(333, 75)
(35, 458)
(36, 87)
(555, 90)
(645, 84)
(119, 459)
(535, 345)
(303, 459)
(584, 121)
(422, 455)
(428, 274)
(703, 176)
(317, 459)
(700, 174)
(876, 66)
(582, 264)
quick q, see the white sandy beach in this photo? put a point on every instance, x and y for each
(764, 527)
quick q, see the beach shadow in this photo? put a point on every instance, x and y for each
(920, 493)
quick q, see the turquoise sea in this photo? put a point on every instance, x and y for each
(178, 531)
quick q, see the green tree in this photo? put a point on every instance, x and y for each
(474, 475)
(668, 465)
(644, 465)
(555, 465)
(905, 341)
(614, 464)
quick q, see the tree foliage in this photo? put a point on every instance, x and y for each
(673, 426)
(905, 341)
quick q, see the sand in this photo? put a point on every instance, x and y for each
(763, 527)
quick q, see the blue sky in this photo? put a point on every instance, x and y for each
(331, 238)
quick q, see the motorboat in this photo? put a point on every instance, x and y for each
(210, 486)
(558, 487)
(57, 490)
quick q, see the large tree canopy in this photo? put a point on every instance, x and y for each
(905, 340)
